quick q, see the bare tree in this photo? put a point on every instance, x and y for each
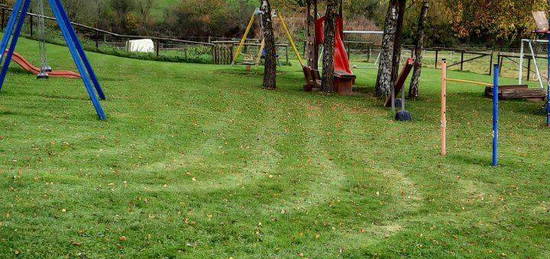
(419, 46)
(270, 66)
(398, 39)
(388, 68)
(327, 85)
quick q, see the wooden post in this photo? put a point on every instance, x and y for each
(30, 24)
(462, 60)
(97, 40)
(436, 57)
(369, 53)
(500, 62)
(528, 68)
(491, 63)
(444, 108)
(158, 48)
(286, 54)
(3, 17)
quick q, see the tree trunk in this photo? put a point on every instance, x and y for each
(384, 80)
(270, 66)
(327, 84)
(419, 46)
(315, 45)
(311, 56)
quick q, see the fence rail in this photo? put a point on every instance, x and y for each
(103, 37)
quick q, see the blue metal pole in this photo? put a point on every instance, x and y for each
(495, 113)
(65, 28)
(13, 43)
(80, 49)
(8, 32)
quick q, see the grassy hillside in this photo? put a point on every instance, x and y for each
(198, 161)
(161, 6)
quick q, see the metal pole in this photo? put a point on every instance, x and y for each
(444, 108)
(495, 113)
(539, 76)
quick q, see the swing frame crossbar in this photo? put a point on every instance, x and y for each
(13, 32)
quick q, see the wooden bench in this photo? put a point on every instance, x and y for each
(515, 92)
(343, 82)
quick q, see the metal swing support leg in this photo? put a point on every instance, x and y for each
(13, 31)
(11, 36)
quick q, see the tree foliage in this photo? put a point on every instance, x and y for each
(484, 22)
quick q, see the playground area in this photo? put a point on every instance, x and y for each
(198, 161)
(267, 148)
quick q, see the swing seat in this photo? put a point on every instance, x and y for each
(313, 78)
(27, 66)
(42, 75)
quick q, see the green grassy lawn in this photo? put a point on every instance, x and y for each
(198, 161)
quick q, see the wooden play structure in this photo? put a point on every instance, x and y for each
(344, 78)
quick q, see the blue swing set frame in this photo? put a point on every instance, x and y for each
(13, 31)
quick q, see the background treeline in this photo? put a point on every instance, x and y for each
(473, 22)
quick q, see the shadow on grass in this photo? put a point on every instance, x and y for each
(241, 71)
(61, 97)
(474, 160)
(20, 114)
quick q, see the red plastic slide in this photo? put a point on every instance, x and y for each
(341, 60)
(26, 65)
